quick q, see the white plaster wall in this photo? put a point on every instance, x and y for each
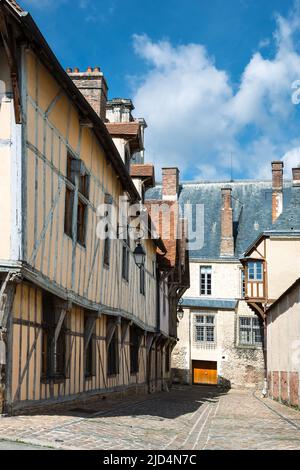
(283, 257)
(226, 280)
(283, 334)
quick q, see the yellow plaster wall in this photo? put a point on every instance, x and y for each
(48, 249)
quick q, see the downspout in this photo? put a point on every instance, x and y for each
(265, 352)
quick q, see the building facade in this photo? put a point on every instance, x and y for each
(283, 350)
(222, 337)
(272, 268)
(77, 315)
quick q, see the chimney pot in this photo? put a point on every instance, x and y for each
(296, 176)
(76, 70)
(97, 69)
(89, 69)
(68, 70)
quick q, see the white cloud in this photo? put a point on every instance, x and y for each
(196, 119)
(292, 159)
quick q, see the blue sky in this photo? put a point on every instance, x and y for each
(212, 78)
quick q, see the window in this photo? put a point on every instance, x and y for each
(142, 280)
(126, 257)
(205, 280)
(255, 271)
(243, 285)
(250, 331)
(134, 349)
(90, 351)
(167, 357)
(106, 250)
(53, 351)
(204, 329)
(113, 355)
(77, 209)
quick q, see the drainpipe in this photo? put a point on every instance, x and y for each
(265, 352)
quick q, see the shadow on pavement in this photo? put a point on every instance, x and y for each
(180, 400)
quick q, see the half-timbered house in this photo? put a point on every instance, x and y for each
(77, 315)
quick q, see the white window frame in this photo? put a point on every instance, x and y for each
(251, 328)
(205, 324)
(255, 271)
(207, 271)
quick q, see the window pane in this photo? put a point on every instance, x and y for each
(210, 337)
(210, 319)
(81, 222)
(245, 321)
(245, 336)
(257, 337)
(69, 211)
(199, 333)
(200, 319)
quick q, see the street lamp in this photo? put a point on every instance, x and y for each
(180, 311)
(139, 255)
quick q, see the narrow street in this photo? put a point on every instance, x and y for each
(186, 418)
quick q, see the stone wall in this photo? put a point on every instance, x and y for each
(238, 365)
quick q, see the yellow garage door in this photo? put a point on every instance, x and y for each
(205, 373)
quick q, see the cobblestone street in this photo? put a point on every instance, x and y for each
(185, 418)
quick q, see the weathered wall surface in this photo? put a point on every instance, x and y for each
(238, 365)
(283, 333)
(9, 148)
(242, 366)
(230, 289)
(281, 259)
(29, 388)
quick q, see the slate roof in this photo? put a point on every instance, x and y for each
(252, 211)
(225, 304)
(290, 217)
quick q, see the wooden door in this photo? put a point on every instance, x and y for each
(205, 373)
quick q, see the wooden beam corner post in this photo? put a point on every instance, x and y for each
(9, 42)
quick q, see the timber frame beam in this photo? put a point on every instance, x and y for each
(150, 341)
(124, 329)
(90, 327)
(111, 330)
(9, 42)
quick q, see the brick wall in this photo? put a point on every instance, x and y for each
(284, 387)
(227, 241)
(170, 183)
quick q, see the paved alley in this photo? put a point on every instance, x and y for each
(185, 418)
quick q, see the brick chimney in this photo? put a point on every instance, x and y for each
(93, 86)
(277, 189)
(170, 184)
(227, 240)
(296, 176)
